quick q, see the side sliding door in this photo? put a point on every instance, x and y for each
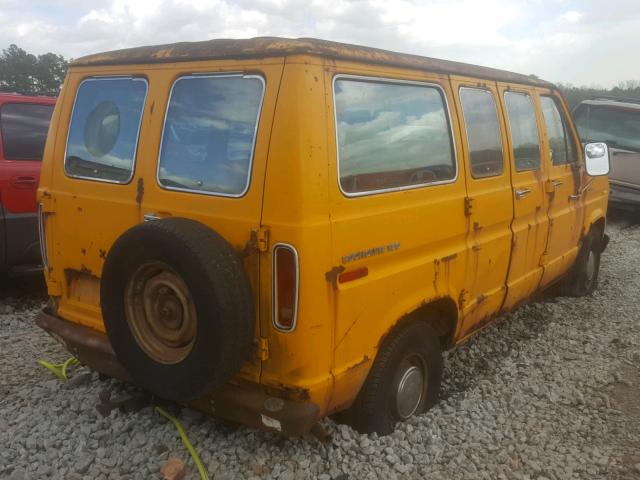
(489, 199)
(530, 203)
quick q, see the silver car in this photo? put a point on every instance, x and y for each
(615, 121)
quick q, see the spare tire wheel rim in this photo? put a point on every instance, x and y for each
(411, 387)
(161, 313)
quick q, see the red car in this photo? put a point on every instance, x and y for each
(24, 121)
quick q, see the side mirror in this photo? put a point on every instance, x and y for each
(596, 159)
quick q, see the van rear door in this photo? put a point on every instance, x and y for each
(207, 154)
(182, 140)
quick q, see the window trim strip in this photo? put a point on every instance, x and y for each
(253, 144)
(135, 150)
(393, 81)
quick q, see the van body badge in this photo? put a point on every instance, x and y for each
(370, 252)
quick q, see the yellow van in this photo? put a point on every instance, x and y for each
(276, 230)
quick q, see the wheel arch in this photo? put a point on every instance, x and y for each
(441, 314)
(597, 225)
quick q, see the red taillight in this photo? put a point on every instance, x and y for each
(285, 287)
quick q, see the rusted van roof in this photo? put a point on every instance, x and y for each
(264, 47)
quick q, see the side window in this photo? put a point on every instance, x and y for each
(24, 130)
(561, 144)
(391, 135)
(209, 134)
(483, 132)
(103, 134)
(524, 131)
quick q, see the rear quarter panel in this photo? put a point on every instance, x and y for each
(420, 234)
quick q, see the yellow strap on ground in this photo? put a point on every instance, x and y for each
(60, 369)
(187, 443)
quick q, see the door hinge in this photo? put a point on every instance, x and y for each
(261, 239)
(468, 206)
(47, 201)
(263, 349)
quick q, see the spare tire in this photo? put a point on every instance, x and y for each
(177, 307)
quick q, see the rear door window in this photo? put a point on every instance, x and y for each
(561, 144)
(391, 135)
(483, 132)
(209, 134)
(524, 131)
(104, 129)
(619, 127)
(24, 129)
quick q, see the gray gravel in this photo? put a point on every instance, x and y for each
(549, 392)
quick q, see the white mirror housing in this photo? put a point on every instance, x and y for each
(596, 159)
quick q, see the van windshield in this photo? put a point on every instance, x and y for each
(619, 127)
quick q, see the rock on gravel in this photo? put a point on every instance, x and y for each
(173, 469)
(546, 393)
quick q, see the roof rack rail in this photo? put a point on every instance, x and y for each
(616, 99)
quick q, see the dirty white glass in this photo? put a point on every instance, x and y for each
(104, 128)
(561, 146)
(524, 131)
(483, 132)
(209, 134)
(391, 135)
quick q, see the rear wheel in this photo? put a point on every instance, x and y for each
(404, 381)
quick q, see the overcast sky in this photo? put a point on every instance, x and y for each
(582, 42)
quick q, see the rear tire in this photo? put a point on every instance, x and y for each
(404, 381)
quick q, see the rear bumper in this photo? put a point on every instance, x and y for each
(245, 403)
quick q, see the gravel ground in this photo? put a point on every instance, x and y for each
(549, 392)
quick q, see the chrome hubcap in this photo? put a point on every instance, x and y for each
(410, 390)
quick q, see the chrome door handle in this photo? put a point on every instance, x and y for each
(150, 216)
(522, 193)
(575, 197)
(557, 183)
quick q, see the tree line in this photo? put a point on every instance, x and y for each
(24, 72)
(574, 95)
